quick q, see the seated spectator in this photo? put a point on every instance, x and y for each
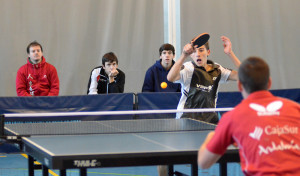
(158, 72)
(37, 77)
(107, 78)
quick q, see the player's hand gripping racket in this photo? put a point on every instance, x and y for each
(200, 40)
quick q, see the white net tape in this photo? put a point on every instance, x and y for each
(54, 114)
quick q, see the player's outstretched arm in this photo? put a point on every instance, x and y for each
(174, 73)
(206, 158)
(228, 51)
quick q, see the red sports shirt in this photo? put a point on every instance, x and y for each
(266, 129)
(37, 80)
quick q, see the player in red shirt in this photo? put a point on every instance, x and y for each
(264, 127)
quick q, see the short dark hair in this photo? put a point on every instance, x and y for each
(166, 47)
(254, 74)
(34, 43)
(207, 45)
(109, 57)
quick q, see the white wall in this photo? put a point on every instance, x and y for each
(76, 33)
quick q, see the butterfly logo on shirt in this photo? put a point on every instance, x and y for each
(271, 109)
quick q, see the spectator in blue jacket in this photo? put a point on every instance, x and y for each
(158, 72)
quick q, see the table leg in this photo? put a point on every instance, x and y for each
(45, 170)
(62, 172)
(194, 170)
(30, 162)
(83, 172)
(223, 168)
(170, 170)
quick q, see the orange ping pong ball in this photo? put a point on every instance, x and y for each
(163, 85)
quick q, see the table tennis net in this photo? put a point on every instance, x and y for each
(107, 127)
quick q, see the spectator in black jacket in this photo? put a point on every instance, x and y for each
(107, 78)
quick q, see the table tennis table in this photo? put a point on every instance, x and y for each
(114, 143)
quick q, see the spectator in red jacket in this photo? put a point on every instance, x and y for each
(37, 77)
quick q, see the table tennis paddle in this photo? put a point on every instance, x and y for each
(200, 40)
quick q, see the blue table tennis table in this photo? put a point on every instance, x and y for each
(96, 144)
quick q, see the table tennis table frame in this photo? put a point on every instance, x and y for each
(169, 159)
(121, 160)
